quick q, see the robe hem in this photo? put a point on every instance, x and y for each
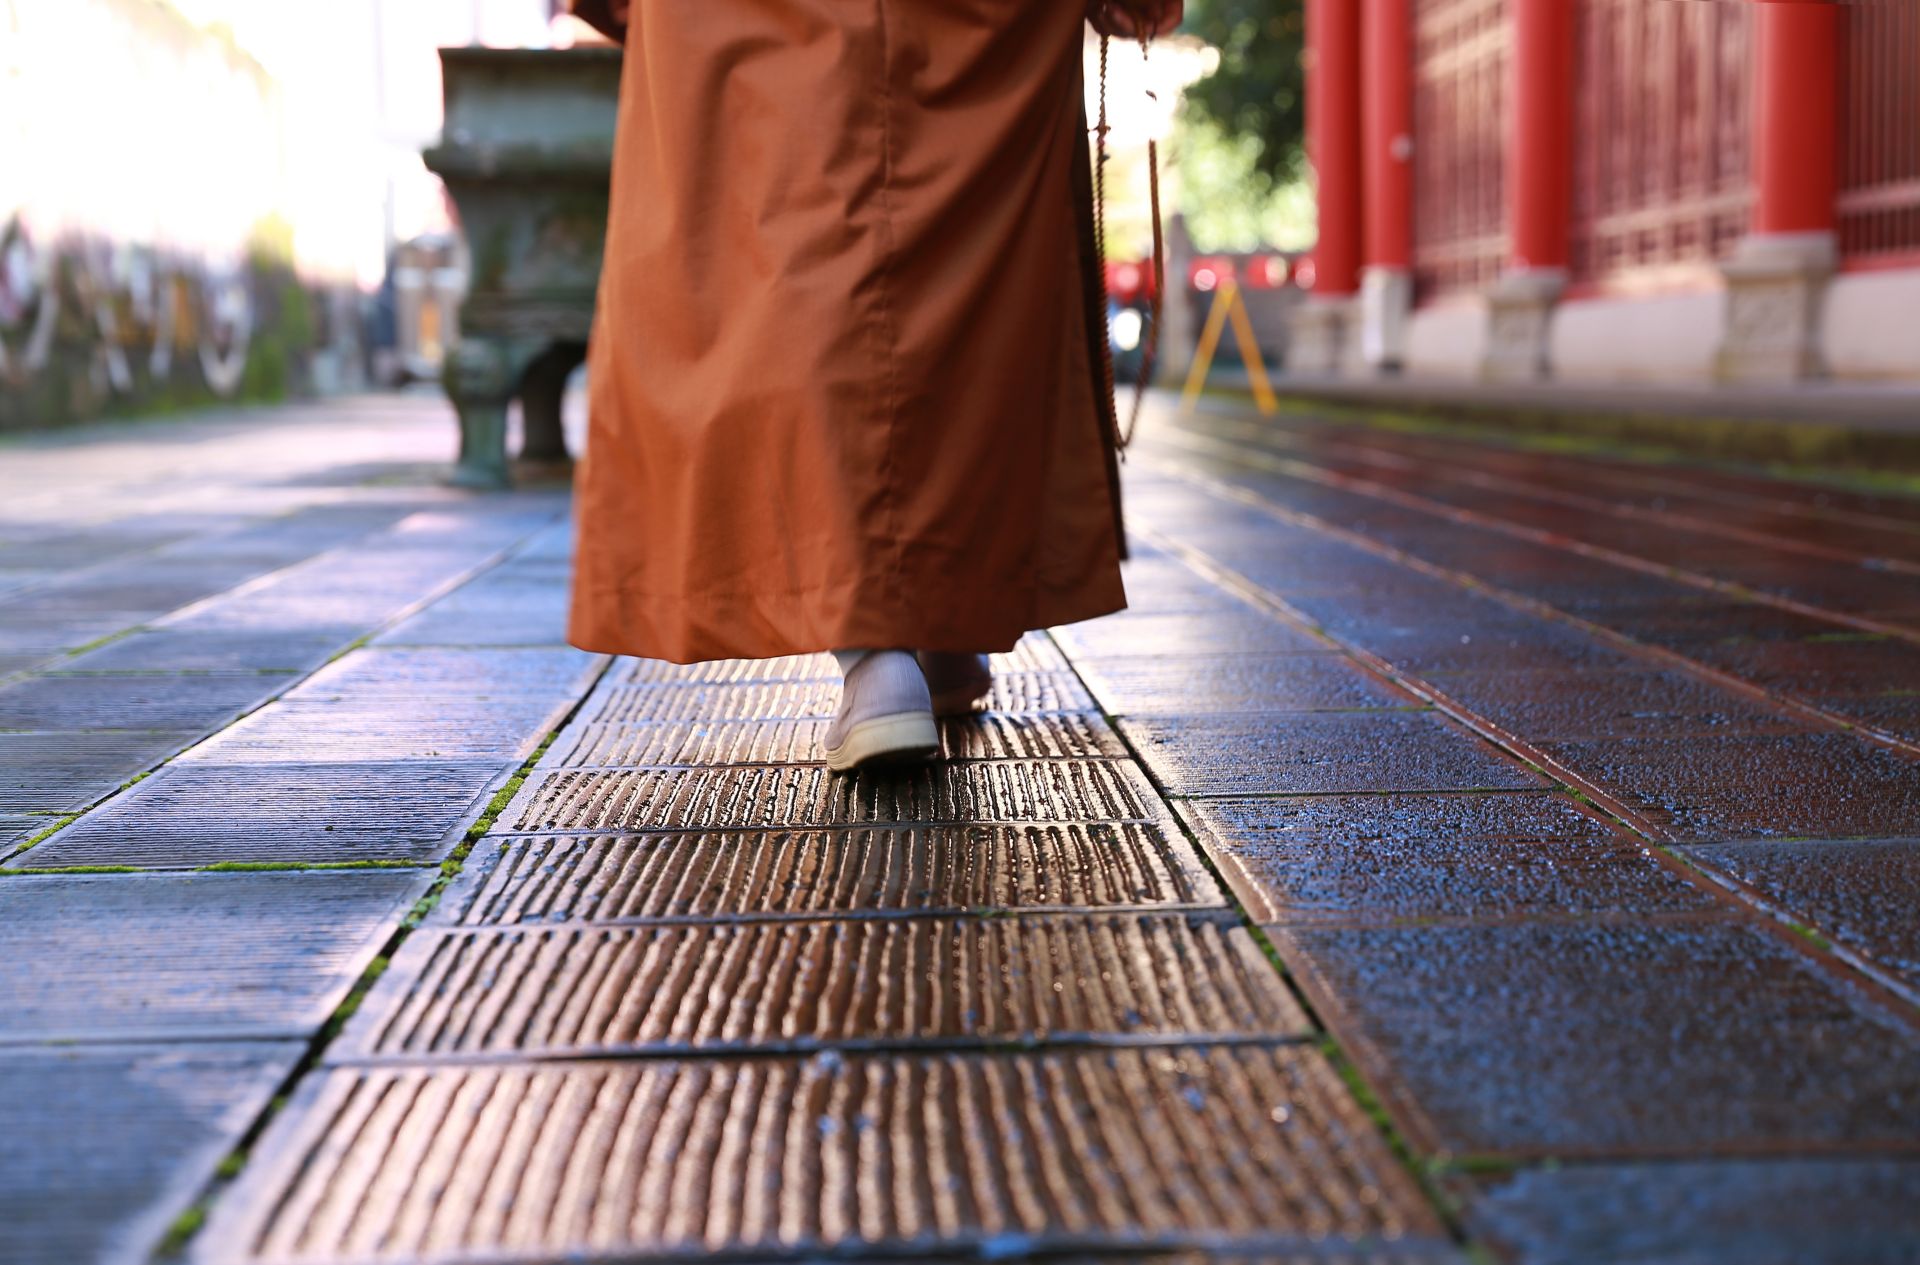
(639, 626)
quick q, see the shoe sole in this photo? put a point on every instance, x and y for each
(886, 740)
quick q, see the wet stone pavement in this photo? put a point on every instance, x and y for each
(1458, 853)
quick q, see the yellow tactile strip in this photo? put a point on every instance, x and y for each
(799, 795)
(797, 985)
(982, 736)
(625, 878)
(1086, 1148)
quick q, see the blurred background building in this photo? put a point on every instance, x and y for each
(225, 199)
(219, 199)
(1615, 190)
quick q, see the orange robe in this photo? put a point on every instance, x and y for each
(844, 385)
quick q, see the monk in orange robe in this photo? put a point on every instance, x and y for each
(846, 373)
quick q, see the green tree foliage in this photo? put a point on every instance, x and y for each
(1259, 89)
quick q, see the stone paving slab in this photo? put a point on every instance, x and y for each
(980, 736)
(106, 1145)
(189, 956)
(1221, 632)
(155, 582)
(1160, 585)
(28, 631)
(62, 772)
(1613, 1038)
(1177, 681)
(1863, 893)
(1249, 1148)
(1834, 663)
(204, 814)
(1708, 789)
(1825, 658)
(194, 701)
(1319, 753)
(797, 986)
(1895, 711)
(799, 873)
(1773, 1212)
(1428, 626)
(486, 675)
(1023, 692)
(12, 663)
(1549, 704)
(504, 622)
(372, 730)
(209, 650)
(774, 796)
(17, 828)
(1357, 859)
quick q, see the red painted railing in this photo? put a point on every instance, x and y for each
(1879, 201)
(1460, 93)
(1661, 171)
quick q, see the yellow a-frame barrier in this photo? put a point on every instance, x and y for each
(1227, 306)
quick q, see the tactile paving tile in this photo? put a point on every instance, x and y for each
(1213, 1147)
(774, 796)
(106, 1145)
(60, 772)
(1781, 1211)
(203, 814)
(195, 701)
(928, 869)
(797, 986)
(793, 667)
(981, 736)
(189, 956)
(1650, 1037)
(780, 700)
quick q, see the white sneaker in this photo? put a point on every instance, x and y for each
(885, 713)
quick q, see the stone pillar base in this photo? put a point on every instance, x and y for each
(1386, 305)
(1519, 308)
(1317, 336)
(1776, 283)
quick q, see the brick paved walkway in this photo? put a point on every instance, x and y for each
(1457, 853)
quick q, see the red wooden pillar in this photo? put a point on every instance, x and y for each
(1539, 172)
(1386, 115)
(1540, 150)
(1333, 141)
(1777, 277)
(1798, 121)
(1386, 151)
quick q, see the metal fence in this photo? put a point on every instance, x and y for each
(1880, 134)
(1462, 51)
(1661, 170)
